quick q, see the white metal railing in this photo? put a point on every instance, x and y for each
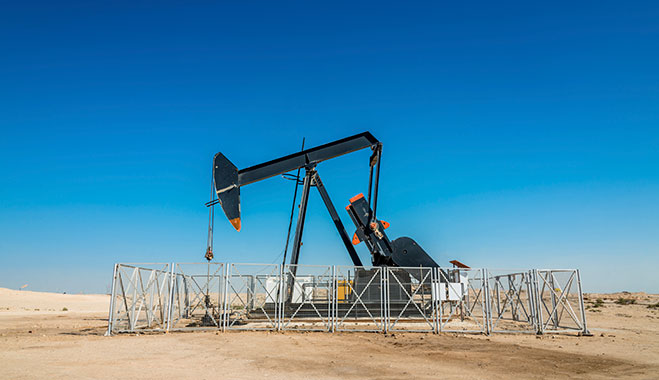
(233, 296)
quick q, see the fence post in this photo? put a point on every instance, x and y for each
(486, 301)
(432, 300)
(170, 302)
(225, 306)
(584, 330)
(388, 298)
(251, 292)
(384, 276)
(223, 292)
(530, 288)
(382, 302)
(538, 302)
(279, 304)
(333, 298)
(113, 293)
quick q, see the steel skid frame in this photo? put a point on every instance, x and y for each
(234, 296)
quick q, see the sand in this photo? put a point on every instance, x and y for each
(40, 340)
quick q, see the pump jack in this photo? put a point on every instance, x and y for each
(403, 251)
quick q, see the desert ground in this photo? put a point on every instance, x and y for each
(60, 336)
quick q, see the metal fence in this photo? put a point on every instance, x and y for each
(511, 301)
(197, 298)
(140, 297)
(233, 296)
(359, 302)
(253, 296)
(559, 300)
(462, 300)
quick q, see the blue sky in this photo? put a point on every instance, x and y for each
(515, 134)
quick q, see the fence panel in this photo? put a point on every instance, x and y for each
(140, 298)
(253, 295)
(306, 304)
(408, 295)
(461, 297)
(198, 298)
(559, 301)
(358, 299)
(511, 301)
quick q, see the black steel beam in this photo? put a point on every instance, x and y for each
(337, 221)
(228, 179)
(299, 228)
(301, 159)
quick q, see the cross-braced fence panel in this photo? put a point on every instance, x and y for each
(306, 304)
(358, 301)
(511, 302)
(140, 298)
(408, 298)
(559, 301)
(198, 297)
(461, 297)
(253, 295)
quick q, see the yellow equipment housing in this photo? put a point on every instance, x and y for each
(344, 290)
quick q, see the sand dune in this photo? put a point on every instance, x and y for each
(19, 301)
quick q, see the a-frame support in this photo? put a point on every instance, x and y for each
(311, 178)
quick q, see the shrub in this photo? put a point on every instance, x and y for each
(596, 304)
(625, 301)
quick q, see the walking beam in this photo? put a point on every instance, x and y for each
(228, 179)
